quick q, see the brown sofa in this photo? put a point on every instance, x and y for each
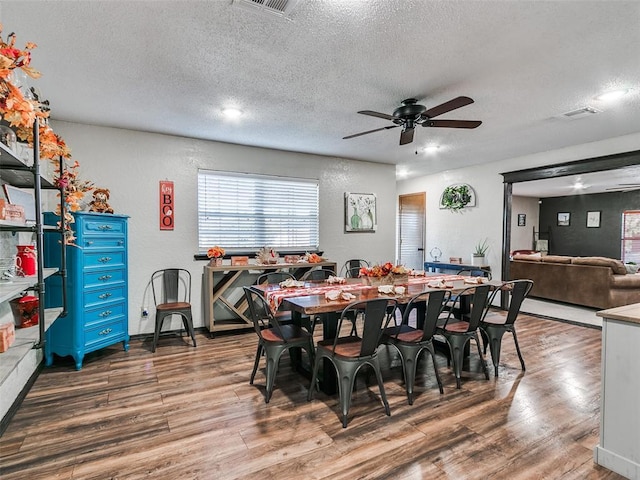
(596, 282)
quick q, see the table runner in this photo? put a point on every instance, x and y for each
(275, 297)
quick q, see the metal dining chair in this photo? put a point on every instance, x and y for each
(274, 338)
(318, 274)
(348, 353)
(410, 341)
(458, 332)
(494, 325)
(274, 277)
(171, 289)
(351, 268)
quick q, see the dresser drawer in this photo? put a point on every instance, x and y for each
(103, 315)
(102, 226)
(107, 334)
(95, 298)
(104, 259)
(95, 243)
(104, 277)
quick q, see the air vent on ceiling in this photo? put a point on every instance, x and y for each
(282, 8)
(579, 113)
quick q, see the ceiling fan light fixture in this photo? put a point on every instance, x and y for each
(612, 95)
(232, 113)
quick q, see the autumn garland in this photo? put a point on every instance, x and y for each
(21, 113)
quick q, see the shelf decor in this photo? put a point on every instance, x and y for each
(458, 196)
(21, 108)
(360, 212)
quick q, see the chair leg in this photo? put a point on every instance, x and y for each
(376, 367)
(346, 379)
(495, 340)
(187, 321)
(483, 363)
(456, 347)
(515, 340)
(431, 350)
(156, 335)
(314, 376)
(409, 356)
(255, 364)
(273, 358)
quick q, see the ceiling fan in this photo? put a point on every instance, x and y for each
(410, 113)
(624, 187)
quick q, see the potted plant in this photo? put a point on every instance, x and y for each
(477, 259)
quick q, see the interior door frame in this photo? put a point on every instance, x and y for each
(423, 195)
(578, 167)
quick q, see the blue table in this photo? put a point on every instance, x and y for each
(441, 267)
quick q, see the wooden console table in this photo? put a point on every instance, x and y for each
(225, 307)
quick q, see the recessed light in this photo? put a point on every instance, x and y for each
(232, 112)
(402, 173)
(612, 95)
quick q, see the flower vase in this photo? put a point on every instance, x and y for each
(355, 221)
(215, 262)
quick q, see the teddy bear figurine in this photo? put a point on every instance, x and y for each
(100, 202)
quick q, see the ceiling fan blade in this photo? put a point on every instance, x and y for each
(369, 131)
(407, 136)
(447, 106)
(377, 114)
(452, 123)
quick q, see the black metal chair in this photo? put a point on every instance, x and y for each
(349, 353)
(318, 274)
(274, 277)
(475, 272)
(171, 288)
(494, 325)
(410, 341)
(458, 332)
(351, 268)
(273, 337)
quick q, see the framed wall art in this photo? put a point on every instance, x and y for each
(593, 219)
(564, 219)
(522, 219)
(360, 212)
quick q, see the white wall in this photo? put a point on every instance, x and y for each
(131, 164)
(522, 237)
(457, 233)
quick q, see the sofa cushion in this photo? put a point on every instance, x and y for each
(528, 258)
(556, 259)
(616, 265)
(625, 281)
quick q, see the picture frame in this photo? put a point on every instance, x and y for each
(360, 214)
(23, 197)
(593, 219)
(564, 219)
(522, 219)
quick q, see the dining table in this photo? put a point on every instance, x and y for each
(310, 299)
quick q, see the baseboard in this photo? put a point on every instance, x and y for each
(614, 462)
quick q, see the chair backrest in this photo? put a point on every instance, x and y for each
(318, 274)
(351, 268)
(171, 285)
(274, 277)
(519, 290)
(261, 314)
(435, 303)
(475, 272)
(376, 314)
(479, 304)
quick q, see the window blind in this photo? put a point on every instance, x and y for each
(245, 212)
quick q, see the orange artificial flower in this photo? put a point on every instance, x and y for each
(215, 252)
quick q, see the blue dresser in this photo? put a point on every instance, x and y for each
(97, 289)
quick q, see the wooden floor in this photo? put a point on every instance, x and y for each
(190, 413)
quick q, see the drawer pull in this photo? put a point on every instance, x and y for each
(105, 227)
(106, 331)
(104, 259)
(104, 314)
(104, 278)
(89, 243)
(120, 242)
(105, 295)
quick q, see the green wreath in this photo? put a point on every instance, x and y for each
(455, 197)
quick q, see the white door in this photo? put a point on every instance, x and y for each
(411, 230)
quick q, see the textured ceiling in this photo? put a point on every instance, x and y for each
(170, 67)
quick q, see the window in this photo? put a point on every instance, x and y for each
(245, 212)
(631, 236)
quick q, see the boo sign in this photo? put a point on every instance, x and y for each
(166, 205)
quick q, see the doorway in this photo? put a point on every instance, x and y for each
(411, 230)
